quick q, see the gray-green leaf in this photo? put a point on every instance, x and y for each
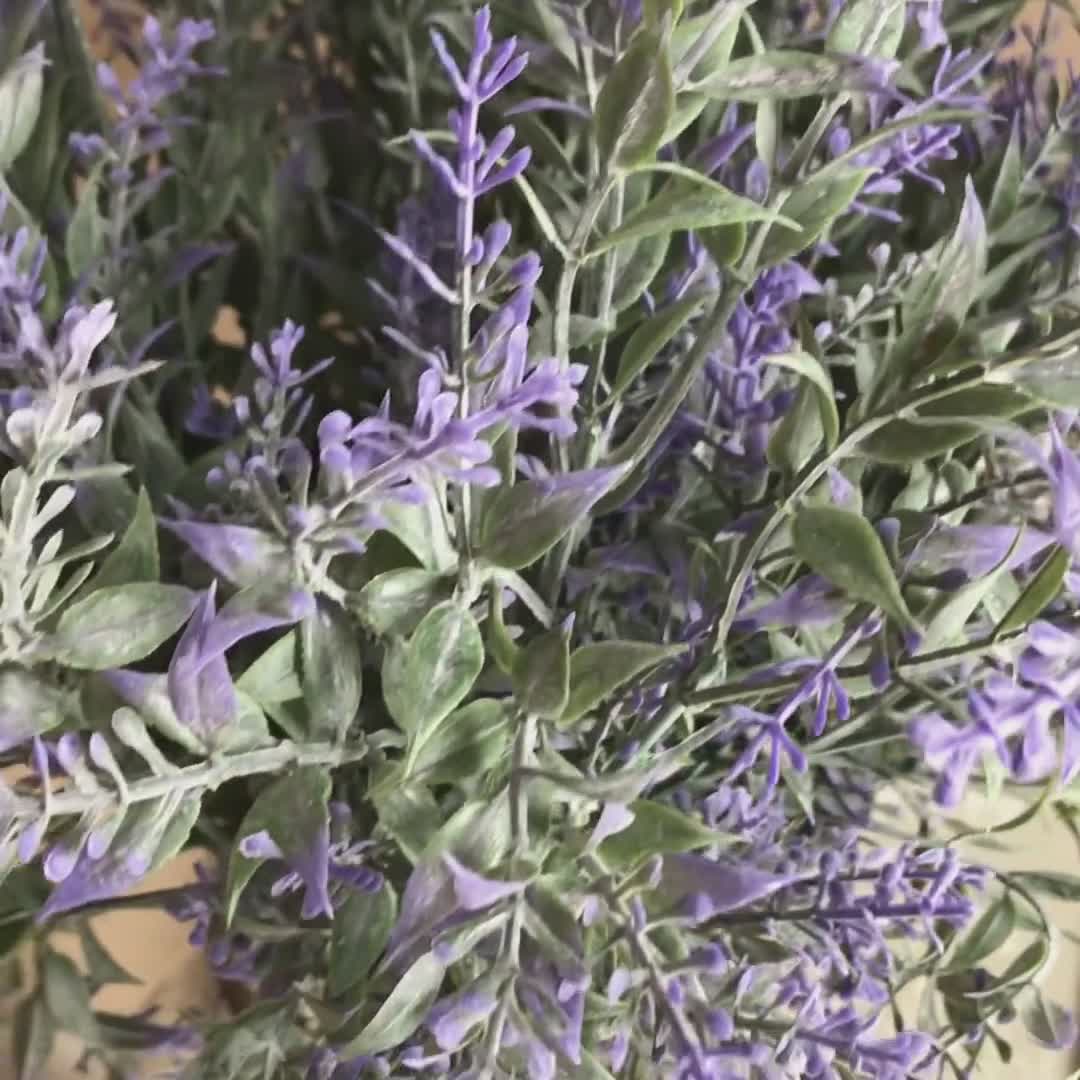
(815, 372)
(541, 674)
(119, 625)
(467, 743)
(394, 603)
(330, 670)
(20, 103)
(814, 205)
(656, 829)
(84, 242)
(636, 102)
(687, 204)
(28, 706)
(844, 549)
(782, 75)
(427, 677)
(135, 558)
(868, 28)
(521, 523)
(599, 669)
(402, 1011)
(362, 928)
(649, 338)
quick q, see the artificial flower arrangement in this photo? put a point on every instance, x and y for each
(645, 447)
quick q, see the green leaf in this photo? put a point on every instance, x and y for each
(330, 665)
(725, 243)
(102, 969)
(67, 997)
(815, 372)
(1048, 1023)
(943, 425)
(116, 626)
(649, 338)
(402, 1012)
(949, 618)
(135, 558)
(362, 927)
(689, 204)
(798, 436)
(1039, 591)
(783, 75)
(523, 522)
(657, 829)
(20, 103)
(721, 27)
(941, 295)
(656, 10)
(844, 549)
(274, 677)
(1006, 194)
(427, 677)
(1021, 971)
(34, 1035)
(1051, 378)
(638, 270)
(814, 205)
(292, 809)
(469, 742)
(28, 706)
(541, 674)
(421, 527)
(84, 242)
(478, 834)
(501, 646)
(599, 669)
(394, 603)
(1054, 883)
(868, 28)
(551, 923)
(408, 812)
(635, 102)
(993, 929)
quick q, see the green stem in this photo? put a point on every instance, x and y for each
(643, 950)
(746, 690)
(510, 951)
(208, 776)
(811, 476)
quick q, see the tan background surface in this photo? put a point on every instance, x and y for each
(174, 977)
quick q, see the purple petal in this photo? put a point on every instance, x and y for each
(725, 887)
(244, 555)
(475, 892)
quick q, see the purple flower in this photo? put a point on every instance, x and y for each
(168, 64)
(244, 555)
(130, 856)
(473, 891)
(451, 1020)
(196, 699)
(717, 887)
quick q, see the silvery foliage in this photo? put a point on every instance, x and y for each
(634, 506)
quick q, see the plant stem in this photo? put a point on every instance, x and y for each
(811, 476)
(642, 948)
(466, 221)
(207, 775)
(509, 953)
(745, 690)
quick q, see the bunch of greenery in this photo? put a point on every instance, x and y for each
(640, 459)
